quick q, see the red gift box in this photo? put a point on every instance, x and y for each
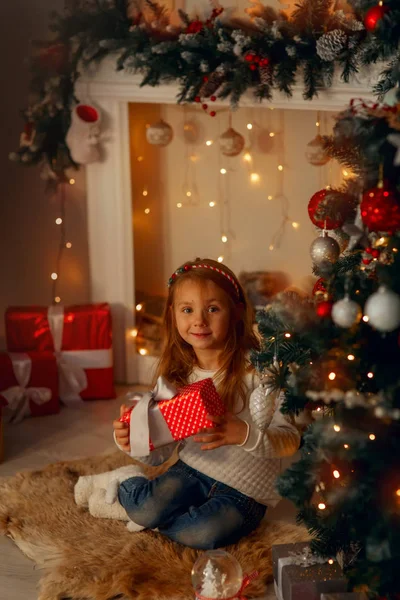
(179, 417)
(29, 384)
(80, 337)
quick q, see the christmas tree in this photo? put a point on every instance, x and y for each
(338, 355)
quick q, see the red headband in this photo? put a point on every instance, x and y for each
(188, 267)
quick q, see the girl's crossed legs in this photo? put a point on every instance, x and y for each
(190, 508)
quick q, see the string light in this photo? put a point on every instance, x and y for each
(220, 259)
(336, 428)
(143, 351)
(211, 204)
(179, 205)
(57, 299)
(224, 239)
(271, 134)
(139, 158)
(193, 157)
(321, 506)
(295, 225)
(247, 157)
(372, 437)
(68, 245)
(209, 143)
(331, 561)
(398, 492)
(71, 181)
(269, 197)
(139, 307)
(249, 126)
(350, 357)
(271, 247)
(145, 192)
(280, 167)
(365, 318)
(346, 446)
(336, 474)
(288, 335)
(370, 375)
(332, 376)
(222, 171)
(188, 194)
(147, 211)
(133, 332)
(254, 177)
(54, 276)
(58, 221)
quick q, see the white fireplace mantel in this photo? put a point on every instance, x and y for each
(109, 204)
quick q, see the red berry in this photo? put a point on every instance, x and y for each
(213, 98)
(264, 61)
(212, 113)
(253, 67)
(204, 106)
(249, 57)
(367, 261)
(197, 99)
(375, 253)
(324, 309)
(368, 250)
(205, 78)
(257, 59)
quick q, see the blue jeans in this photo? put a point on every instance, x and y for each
(190, 508)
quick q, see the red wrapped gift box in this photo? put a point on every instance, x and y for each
(80, 337)
(164, 415)
(29, 384)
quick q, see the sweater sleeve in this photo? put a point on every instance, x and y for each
(281, 438)
(156, 457)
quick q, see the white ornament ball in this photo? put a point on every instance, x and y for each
(346, 313)
(231, 142)
(159, 134)
(315, 152)
(383, 310)
(217, 574)
(324, 249)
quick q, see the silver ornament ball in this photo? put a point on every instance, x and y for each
(383, 310)
(339, 235)
(324, 249)
(346, 313)
(159, 134)
(231, 142)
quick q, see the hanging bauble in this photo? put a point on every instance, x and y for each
(329, 209)
(380, 209)
(324, 249)
(373, 16)
(339, 235)
(383, 310)
(159, 134)
(324, 309)
(231, 142)
(316, 153)
(216, 574)
(83, 136)
(319, 288)
(262, 405)
(391, 97)
(346, 312)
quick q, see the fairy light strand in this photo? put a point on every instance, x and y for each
(61, 246)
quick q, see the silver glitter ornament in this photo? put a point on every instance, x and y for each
(262, 401)
(346, 312)
(231, 142)
(324, 249)
(339, 235)
(383, 310)
(159, 134)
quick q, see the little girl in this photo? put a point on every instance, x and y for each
(219, 489)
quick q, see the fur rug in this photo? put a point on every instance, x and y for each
(87, 558)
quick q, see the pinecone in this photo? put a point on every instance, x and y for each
(210, 86)
(265, 75)
(331, 44)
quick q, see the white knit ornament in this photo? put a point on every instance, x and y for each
(383, 310)
(83, 135)
(346, 312)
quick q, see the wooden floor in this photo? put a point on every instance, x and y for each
(76, 432)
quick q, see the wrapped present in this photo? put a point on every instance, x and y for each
(79, 336)
(165, 414)
(28, 384)
(301, 575)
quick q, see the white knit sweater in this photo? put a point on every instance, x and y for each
(252, 468)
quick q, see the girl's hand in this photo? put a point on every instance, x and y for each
(228, 430)
(121, 431)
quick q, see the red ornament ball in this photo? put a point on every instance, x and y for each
(373, 16)
(319, 287)
(322, 217)
(324, 309)
(197, 99)
(380, 209)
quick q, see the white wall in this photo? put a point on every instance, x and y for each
(28, 234)
(195, 230)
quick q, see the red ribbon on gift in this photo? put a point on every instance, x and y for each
(239, 595)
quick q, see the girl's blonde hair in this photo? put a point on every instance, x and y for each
(178, 357)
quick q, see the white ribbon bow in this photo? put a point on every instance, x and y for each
(142, 428)
(19, 396)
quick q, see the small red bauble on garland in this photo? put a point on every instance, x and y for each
(324, 309)
(380, 209)
(319, 287)
(373, 16)
(319, 215)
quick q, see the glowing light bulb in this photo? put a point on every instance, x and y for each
(249, 126)
(370, 375)
(330, 561)
(321, 506)
(336, 474)
(254, 177)
(372, 437)
(58, 221)
(271, 247)
(345, 173)
(139, 158)
(143, 351)
(139, 307)
(145, 192)
(288, 335)
(247, 157)
(222, 171)
(332, 376)
(272, 134)
(209, 143)
(318, 123)
(365, 318)
(211, 204)
(224, 239)
(295, 225)
(350, 357)
(397, 492)
(336, 428)
(346, 446)
(57, 299)
(188, 194)
(68, 245)
(220, 259)
(71, 181)
(193, 157)
(280, 167)
(54, 276)
(269, 197)
(179, 205)
(147, 211)
(133, 332)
